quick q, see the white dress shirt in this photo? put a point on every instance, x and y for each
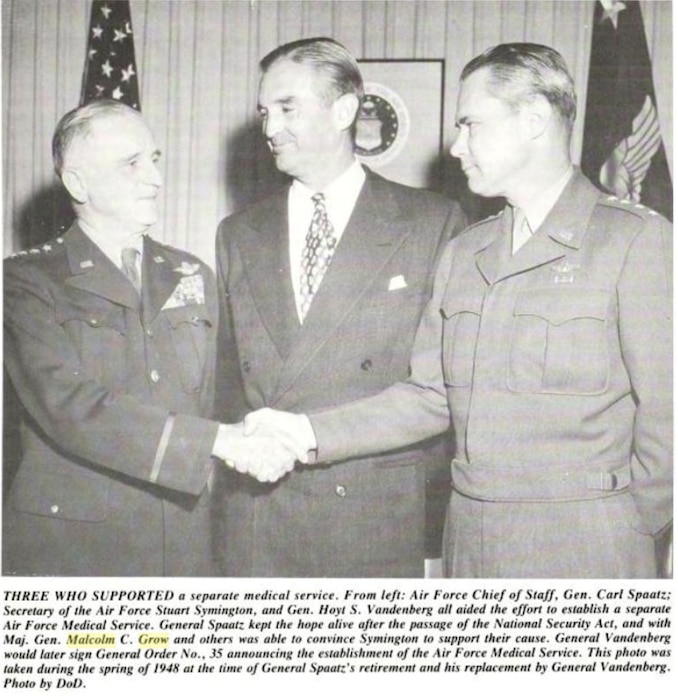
(340, 198)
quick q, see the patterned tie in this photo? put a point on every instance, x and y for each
(130, 267)
(317, 253)
(521, 230)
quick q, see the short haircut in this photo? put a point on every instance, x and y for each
(520, 71)
(328, 58)
(78, 124)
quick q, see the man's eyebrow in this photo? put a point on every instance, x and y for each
(280, 101)
(138, 154)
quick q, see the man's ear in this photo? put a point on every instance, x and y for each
(74, 183)
(537, 116)
(344, 110)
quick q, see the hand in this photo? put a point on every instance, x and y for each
(293, 431)
(260, 455)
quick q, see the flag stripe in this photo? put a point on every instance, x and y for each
(622, 147)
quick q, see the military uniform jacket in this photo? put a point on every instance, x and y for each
(115, 455)
(360, 517)
(555, 365)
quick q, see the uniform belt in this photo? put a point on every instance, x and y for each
(540, 483)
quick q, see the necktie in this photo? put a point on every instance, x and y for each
(130, 267)
(521, 229)
(317, 253)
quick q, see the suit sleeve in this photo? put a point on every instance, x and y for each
(645, 299)
(230, 402)
(405, 413)
(83, 418)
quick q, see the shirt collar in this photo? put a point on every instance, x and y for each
(344, 188)
(540, 206)
(110, 247)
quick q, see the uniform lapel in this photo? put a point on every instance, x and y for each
(492, 254)
(159, 278)
(561, 231)
(264, 248)
(93, 272)
(372, 236)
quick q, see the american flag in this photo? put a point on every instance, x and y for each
(623, 151)
(110, 67)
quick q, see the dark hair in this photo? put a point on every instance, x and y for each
(78, 122)
(520, 71)
(329, 58)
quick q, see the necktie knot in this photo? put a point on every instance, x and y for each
(130, 266)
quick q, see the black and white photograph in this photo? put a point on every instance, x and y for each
(337, 344)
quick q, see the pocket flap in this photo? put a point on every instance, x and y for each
(558, 306)
(195, 314)
(106, 317)
(460, 304)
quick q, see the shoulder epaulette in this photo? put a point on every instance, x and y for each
(45, 248)
(610, 200)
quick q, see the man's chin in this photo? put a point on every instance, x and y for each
(283, 163)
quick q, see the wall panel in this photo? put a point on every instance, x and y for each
(197, 62)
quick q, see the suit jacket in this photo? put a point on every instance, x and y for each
(115, 456)
(555, 366)
(358, 517)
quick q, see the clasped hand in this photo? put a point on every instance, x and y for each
(266, 445)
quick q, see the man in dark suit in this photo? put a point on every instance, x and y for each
(321, 290)
(109, 343)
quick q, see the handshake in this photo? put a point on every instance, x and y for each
(266, 444)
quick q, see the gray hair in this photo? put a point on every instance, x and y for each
(78, 124)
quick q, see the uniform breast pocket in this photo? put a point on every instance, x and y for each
(191, 333)
(559, 342)
(461, 321)
(98, 334)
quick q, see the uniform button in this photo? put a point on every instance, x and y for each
(155, 376)
(340, 491)
(94, 322)
(149, 332)
(54, 509)
(246, 366)
(366, 365)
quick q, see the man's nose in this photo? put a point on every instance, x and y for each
(459, 146)
(152, 174)
(271, 125)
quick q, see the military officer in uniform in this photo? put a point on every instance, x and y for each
(109, 343)
(547, 342)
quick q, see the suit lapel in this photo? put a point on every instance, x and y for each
(265, 255)
(93, 272)
(373, 234)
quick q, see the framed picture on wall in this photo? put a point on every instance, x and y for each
(399, 129)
